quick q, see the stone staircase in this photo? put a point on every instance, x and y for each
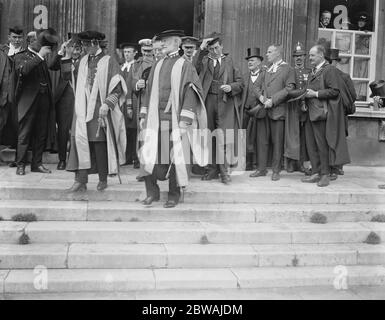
(252, 236)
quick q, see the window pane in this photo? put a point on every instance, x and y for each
(344, 64)
(361, 90)
(344, 42)
(363, 43)
(361, 68)
(347, 15)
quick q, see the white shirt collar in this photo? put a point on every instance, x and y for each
(127, 65)
(12, 50)
(320, 65)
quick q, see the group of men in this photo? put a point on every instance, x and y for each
(145, 111)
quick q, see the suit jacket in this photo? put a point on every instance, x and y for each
(228, 74)
(275, 86)
(28, 68)
(250, 92)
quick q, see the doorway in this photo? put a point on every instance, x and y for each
(138, 19)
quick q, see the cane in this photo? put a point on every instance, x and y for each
(102, 125)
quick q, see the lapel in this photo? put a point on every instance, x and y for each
(318, 74)
(272, 76)
(208, 65)
(223, 68)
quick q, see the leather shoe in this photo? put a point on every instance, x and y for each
(324, 182)
(275, 177)
(139, 179)
(290, 167)
(41, 169)
(12, 164)
(136, 165)
(210, 176)
(225, 180)
(149, 200)
(333, 177)
(381, 186)
(77, 187)
(61, 165)
(170, 204)
(258, 173)
(20, 171)
(311, 179)
(102, 185)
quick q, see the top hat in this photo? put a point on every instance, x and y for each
(215, 36)
(48, 37)
(91, 35)
(254, 52)
(378, 88)
(128, 45)
(190, 40)
(170, 33)
(333, 54)
(299, 50)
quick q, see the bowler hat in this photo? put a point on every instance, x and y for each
(48, 37)
(91, 35)
(333, 54)
(254, 52)
(378, 88)
(299, 50)
(128, 45)
(170, 33)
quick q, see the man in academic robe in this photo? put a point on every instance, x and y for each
(65, 97)
(173, 107)
(34, 99)
(348, 96)
(273, 92)
(295, 143)
(98, 134)
(325, 126)
(254, 119)
(8, 133)
(222, 89)
(130, 113)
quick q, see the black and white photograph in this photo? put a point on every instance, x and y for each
(206, 153)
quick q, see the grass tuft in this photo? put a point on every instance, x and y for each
(373, 238)
(318, 218)
(379, 218)
(29, 217)
(24, 239)
(204, 240)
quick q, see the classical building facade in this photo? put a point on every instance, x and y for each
(244, 23)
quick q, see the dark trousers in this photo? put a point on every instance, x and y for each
(64, 115)
(34, 128)
(277, 133)
(99, 163)
(214, 122)
(263, 137)
(317, 146)
(131, 154)
(159, 173)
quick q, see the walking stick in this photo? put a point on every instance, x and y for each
(102, 125)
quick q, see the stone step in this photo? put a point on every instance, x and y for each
(132, 280)
(189, 232)
(124, 211)
(143, 256)
(212, 193)
(295, 293)
(8, 155)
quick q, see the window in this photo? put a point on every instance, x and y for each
(350, 27)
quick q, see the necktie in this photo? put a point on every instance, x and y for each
(217, 67)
